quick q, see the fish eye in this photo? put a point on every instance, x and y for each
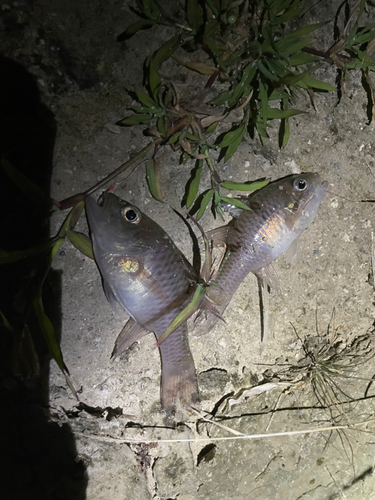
(300, 184)
(131, 214)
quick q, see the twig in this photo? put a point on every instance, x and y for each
(73, 200)
(227, 438)
(217, 423)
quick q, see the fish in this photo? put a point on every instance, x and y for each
(278, 214)
(149, 277)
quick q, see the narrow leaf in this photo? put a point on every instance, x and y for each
(273, 113)
(81, 242)
(174, 138)
(185, 314)
(301, 58)
(162, 55)
(205, 201)
(145, 99)
(264, 101)
(222, 98)
(151, 9)
(143, 24)
(309, 81)
(202, 68)
(284, 133)
(153, 179)
(247, 76)
(48, 331)
(238, 186)
(135, 120)
(194, 14)
(232, 148)
(194, 184)
(235, 202)
(6, 323)
(232, 136)
(10, 257)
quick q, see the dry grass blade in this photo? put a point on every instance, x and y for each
(140, 439)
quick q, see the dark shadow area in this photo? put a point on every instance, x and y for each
(38, 457)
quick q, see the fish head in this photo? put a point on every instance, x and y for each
(118, 226)
(302, 195)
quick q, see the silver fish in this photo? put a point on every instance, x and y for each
(278, 215)
(144, 272)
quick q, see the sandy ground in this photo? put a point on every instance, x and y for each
(83, 75)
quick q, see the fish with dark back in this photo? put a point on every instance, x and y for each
(278, 215)
(144, 272)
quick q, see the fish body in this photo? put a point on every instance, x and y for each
(278, 215)
(144, 272)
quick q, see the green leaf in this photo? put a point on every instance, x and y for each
(162, 126)
(264, 101)
(205, 201)
(232, 140)
(232, 136)
(72, 218)
(161, 55)
(194, 14)
(285, 17)
(218, 209)
(133, 28)
(211, 128)
(6, 323)
(191, 137)
(151, 9)
(81, 242)
(27, 187)
(186, 313)
(285, 48)
(284, 133)
(273, 113)
(243, 86)
(309, 81)
(153, 179)
(154, 82)
(48, 331)
(266, 72)
(222, 98)
(238, 186)
(301, 58)
(135, 120)
(10, 257)
(194, 184)
(309, 28)
(146, 99)
(235, 202)
(174, 138)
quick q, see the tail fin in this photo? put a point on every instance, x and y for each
(178, 379)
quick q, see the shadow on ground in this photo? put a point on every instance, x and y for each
(39, 457)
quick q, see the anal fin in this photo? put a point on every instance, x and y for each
(131, 332)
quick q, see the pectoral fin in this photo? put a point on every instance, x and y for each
(291, 252)
(131, 332)
(269, 277)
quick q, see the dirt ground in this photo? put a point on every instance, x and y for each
(316, 368)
